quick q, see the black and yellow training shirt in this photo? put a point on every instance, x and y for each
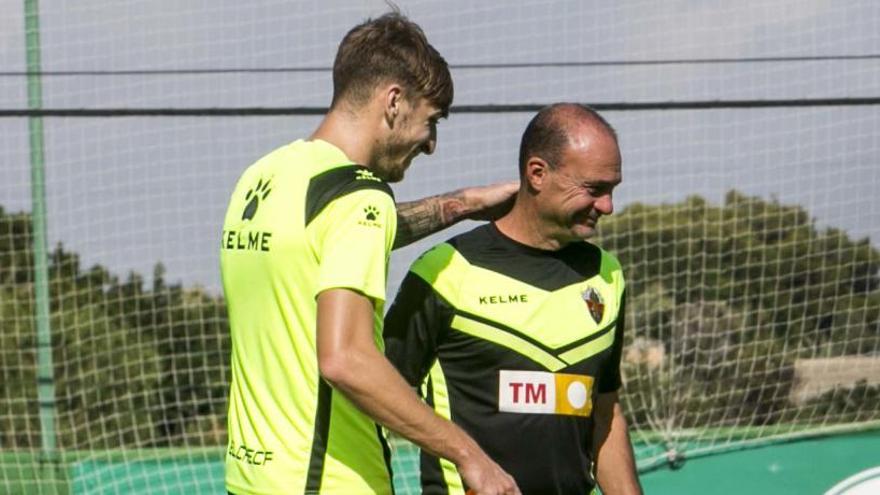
(513, 344)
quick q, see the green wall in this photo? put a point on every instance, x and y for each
(798, 468)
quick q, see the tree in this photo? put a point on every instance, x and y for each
(736, 293)
(134, 367)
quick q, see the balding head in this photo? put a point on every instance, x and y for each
(557, 127)
(570, 163)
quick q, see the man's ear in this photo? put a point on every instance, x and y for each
(536, 173)
(392, 99)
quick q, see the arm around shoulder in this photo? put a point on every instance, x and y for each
(421, 218)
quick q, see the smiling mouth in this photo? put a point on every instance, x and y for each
(586, 219)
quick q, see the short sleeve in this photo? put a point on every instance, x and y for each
(611, 380)
(352, 238)
(414, 327)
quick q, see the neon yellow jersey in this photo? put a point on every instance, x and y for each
(301, 220)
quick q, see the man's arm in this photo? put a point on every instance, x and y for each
(350, 361)
(418, 219)
(613, 454)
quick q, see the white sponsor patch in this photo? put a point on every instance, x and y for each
(526, 392)
(540, 392)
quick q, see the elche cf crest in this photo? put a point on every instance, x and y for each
(595, 305)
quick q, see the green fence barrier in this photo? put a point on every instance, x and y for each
(811, 466)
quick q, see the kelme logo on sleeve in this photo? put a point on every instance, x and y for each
(253, 197)
(372, 212)
(541, 392)
(371, 217)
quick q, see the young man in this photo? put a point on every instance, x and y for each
(518, 325)
(304, 257)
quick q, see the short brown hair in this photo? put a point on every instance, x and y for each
(390, 48)
(547, 134)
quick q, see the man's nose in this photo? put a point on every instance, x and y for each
(604, 204)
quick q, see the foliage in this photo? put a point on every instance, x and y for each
(134, 366)
(734, 295)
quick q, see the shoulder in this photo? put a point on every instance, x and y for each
(435, 261)
(610, 267)
(445, 265)
(337, 182)
(474, 241)
(455, 250)
(609, 260)
(588, 250)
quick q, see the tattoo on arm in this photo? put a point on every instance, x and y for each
(418, 219)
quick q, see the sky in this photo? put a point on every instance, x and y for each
(130, 192)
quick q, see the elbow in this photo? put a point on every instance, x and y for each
(340, 369)
(333, 369)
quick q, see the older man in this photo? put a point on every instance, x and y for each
(515, 328)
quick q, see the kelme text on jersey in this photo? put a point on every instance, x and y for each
(504, 299)
(245, 240)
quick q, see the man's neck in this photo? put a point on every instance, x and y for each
(350, 133)
(524, 225)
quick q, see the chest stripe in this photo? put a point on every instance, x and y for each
(440, 398)
(495, 335)
(509, 338)
(590, 349)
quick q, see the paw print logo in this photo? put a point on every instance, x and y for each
(372, 213)
(255, 195)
